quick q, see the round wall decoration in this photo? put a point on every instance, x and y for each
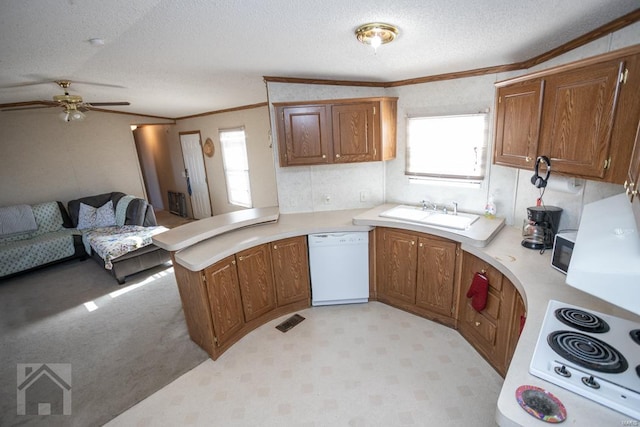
(208, 147)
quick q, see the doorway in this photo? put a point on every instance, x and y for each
(195, 174)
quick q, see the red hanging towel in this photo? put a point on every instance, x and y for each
(479, 291)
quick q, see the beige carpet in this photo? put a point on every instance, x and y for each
(123, 342)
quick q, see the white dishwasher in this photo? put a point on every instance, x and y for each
(339, 267)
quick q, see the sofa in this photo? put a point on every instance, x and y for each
(116, 232)
(34, 236)
(113, 228)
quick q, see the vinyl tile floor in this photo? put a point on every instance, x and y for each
(344, 365)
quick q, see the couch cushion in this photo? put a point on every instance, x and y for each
(90, 217)
(96, 201)
(48, 217)
(25, 254)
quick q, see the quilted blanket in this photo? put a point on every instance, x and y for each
(112, 242)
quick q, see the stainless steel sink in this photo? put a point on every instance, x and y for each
(461, 221)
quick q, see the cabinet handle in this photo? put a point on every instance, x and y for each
(324, 156)
(477, 323)
(240, 258)
(337, 155)
(421, 244)
(233, 262)
(275, 246)
(527, 159)
(413, 242)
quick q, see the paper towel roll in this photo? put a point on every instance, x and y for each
(565, 185)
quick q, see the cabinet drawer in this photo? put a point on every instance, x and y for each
(480, 325)
(472, 265)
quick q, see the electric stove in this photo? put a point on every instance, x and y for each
(592, 354)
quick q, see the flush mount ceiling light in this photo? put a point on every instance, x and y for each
(376, 34)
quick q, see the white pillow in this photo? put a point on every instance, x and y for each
(90, 217)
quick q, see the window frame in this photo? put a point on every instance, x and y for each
(227, 171)
(481, 155)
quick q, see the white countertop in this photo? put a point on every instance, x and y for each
(208, 252)
(479, 234)
(491, 241)
(197, 231)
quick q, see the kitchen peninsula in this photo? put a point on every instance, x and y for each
(528, 271)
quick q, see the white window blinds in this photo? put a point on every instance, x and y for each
(236, 166)
(447, 147)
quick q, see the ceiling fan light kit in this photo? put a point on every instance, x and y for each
(376, 34)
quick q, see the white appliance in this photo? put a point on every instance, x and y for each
(339, 268)
(592, 354)
(605, 259)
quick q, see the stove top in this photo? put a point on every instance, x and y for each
(592, 354)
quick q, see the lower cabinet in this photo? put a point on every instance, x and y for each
(291, 270)
(230, 298)
(494, 331)
(416, 272)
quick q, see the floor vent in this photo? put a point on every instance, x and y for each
(290, 323)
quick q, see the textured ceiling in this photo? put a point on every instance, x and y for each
(174, 58)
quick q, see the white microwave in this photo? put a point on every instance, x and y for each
(563, 245)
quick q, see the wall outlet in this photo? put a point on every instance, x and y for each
(364, 196)
(326, 199)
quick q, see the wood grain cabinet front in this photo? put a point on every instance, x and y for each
(581, 115)
(230, 298)
(291, 270)
(490, 331)
(632, 184)
(416, 272)
(225, 301)
(336, 131)
(255, 277)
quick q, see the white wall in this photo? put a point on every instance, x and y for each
(43, 158)
(300, 189)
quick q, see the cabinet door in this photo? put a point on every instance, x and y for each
(291, 270)
(632, 185)
(577, 120)
(518, 115)
(435, 288)
(517, 322)
(224, 299)
(353, 132)
(397, 252)
(256, 281)
(305, 136)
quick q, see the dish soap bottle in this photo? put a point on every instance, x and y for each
(490, 209)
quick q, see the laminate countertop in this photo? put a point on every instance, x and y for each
(492, 241)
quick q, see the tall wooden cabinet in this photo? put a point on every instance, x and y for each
(416, 272)
(581, 115)
(492, 330)
(336, 131)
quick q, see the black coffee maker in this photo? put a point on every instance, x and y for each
(540, 227)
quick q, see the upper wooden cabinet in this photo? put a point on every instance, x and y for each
(577, 119)
(336, 131)
(581, 115)
(632, 184)
(518, 123)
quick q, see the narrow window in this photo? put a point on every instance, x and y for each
(447, 148)
(236, 166)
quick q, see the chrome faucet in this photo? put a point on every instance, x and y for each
(426, 203)
(455, 208)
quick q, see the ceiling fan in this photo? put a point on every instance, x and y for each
(73, 106)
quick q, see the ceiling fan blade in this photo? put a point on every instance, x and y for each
(27, 105)
(55, 81)
(106, 104)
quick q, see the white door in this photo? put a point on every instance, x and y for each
(195, 174)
